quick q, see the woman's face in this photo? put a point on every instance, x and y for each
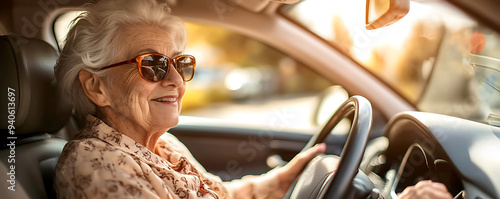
(152, 106)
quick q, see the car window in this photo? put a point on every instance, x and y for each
(62, 25)
(244, 81)
(437, 57)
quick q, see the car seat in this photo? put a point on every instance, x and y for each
(31, 101)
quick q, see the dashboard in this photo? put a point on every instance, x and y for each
(417, 165)
(425, 146)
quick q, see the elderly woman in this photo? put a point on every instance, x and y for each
(123, 67)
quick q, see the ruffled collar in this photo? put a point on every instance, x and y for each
(96, 128)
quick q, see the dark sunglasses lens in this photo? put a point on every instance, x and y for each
(185, 67)
(154, 67)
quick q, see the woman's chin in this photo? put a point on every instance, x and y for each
(166, 121)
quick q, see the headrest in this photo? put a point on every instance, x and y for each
(30, 98)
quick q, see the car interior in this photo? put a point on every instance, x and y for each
(391, 143)
(42, 112)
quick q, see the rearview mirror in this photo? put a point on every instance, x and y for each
(380, 13)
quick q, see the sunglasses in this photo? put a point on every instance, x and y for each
(154, 67)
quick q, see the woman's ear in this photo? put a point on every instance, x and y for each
(94, 88)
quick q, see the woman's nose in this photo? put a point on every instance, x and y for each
(173, 78)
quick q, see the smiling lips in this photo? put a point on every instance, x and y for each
(166, 99)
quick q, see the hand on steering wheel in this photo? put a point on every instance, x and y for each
(292, 169)
(318, 179)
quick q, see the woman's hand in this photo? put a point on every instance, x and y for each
(426, 189)
(289, 172)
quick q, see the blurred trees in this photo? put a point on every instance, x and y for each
(232, 47)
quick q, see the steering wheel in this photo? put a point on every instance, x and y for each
(328, 176)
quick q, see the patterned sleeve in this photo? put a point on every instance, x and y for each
(264, 186)
(91, 169)
(260, 187)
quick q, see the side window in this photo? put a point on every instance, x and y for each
(241, 80)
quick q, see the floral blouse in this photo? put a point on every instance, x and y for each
(103, 163)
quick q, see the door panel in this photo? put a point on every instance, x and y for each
(234, 152)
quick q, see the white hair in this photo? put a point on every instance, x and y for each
(94, 41)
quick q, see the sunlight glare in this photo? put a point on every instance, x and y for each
(236, 79)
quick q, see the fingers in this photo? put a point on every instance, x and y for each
(426, 190)
(290, 171)
(301, 159)
(311, 153)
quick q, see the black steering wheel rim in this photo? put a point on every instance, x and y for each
(338, 184)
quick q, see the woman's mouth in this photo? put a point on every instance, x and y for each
(165, 99)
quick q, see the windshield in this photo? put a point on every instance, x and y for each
(437, 57)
